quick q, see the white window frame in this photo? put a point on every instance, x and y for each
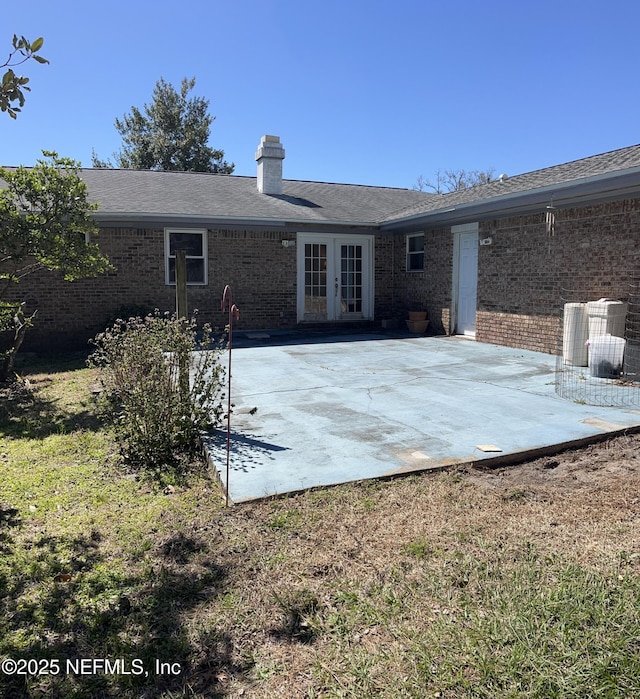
(414, 253)
(203, 257)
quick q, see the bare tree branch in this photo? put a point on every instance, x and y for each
(447, 181)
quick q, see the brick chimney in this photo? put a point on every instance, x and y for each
(270, 155)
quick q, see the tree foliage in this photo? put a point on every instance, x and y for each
(13, 86)
(454, 180)
(45, 217)
(45, 221)
(171, 133)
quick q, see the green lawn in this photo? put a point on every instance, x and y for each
(440, 585)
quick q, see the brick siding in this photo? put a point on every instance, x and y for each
(429, 289)
(524, 278)
(526, 275)
(262, 274)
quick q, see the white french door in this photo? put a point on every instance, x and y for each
(335, 277)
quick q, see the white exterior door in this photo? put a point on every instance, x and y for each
(465, 286)
(335, 277)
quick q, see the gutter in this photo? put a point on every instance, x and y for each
(136, 218)
(593, 189)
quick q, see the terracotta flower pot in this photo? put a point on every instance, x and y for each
(417, 315)
(417, 326)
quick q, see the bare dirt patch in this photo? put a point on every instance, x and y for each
(606, 463)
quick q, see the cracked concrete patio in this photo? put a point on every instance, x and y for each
(331, 409)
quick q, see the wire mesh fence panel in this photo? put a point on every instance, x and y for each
(598, 359)
(632, 350)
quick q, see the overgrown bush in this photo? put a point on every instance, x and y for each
(163, 385)
(129, 310)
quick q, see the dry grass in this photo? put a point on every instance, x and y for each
(521, 582)
(384, 561)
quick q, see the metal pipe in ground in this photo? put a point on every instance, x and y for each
(228, 306)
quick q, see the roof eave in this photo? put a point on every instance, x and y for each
(596, 189)
(138, 217)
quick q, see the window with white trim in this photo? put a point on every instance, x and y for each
(194, 243)
(415, 252)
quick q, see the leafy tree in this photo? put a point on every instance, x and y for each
(12, 86)
(454, 180)
(45, 220)
(171, 133)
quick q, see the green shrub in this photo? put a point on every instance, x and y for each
(128, 310)
(163, 386)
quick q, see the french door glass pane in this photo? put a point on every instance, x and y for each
(315, 279)
(351, 278)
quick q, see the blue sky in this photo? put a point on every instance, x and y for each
(361, 91)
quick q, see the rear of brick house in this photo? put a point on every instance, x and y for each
(566, 233)
(494, 262)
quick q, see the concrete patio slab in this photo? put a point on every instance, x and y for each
(353, 407)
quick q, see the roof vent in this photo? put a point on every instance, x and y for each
(270, 155)
(503, 177)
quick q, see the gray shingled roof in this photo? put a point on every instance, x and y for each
(587, 175)
(186, 197)
(173, 196)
